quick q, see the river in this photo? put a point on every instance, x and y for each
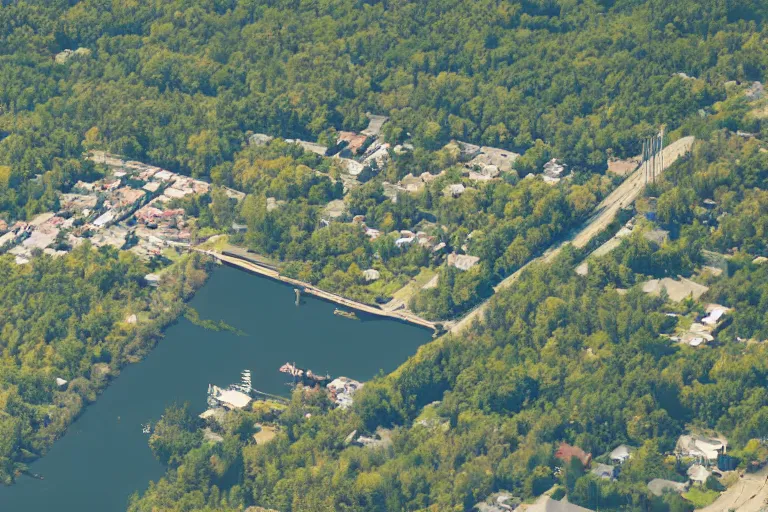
(104, 457)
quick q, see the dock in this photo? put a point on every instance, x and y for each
(273, 273)
(304, 375)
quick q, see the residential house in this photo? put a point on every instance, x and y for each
(547, 504)
(462, 261)
(374, 125)
(439, 247)
(604, 471)
(658, 237)
(500, 159)
(553, 171)
(715, 315)
(412, 183)
(454, 190)
(152, 186)
(467, 151)
(378, 153)
(621, 454)
(700, 447)
(404, 241)
(391, 191)
(698, 474)
(352, 167)
(658, 486)
(342, 390)
(259, 139)
(104, 219)
(310, 147)
(354, 142)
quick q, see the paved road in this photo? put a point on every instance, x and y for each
(749, 494)
(624, 195)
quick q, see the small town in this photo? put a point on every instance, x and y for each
(384, 256)
(137, 207)
(131, 208)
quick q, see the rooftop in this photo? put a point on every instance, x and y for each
(233, 399)
(693, 445)
(621, 453)
(547, 504)
(658, 486)
(374, 125)
(462, 261)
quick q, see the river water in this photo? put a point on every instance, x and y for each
(104, 457)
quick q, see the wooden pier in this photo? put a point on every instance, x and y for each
(269, 396)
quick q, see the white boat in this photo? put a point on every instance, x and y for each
(245, 385)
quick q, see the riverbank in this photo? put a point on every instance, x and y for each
(307, 288)
(116, 321)
(103, 458)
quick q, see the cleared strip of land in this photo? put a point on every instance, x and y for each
(624, 195)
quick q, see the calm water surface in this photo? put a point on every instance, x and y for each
(104, 457)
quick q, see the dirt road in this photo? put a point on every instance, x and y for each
(749, 494)
(624, 195)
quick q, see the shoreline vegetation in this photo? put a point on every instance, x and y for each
(193, 316)
(126, 320)
(372, 149)
(591, 360)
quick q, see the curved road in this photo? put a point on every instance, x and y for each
(749, 494)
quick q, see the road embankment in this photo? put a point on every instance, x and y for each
(624, 195)
(307, 288)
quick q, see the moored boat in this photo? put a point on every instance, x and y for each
(346, 314)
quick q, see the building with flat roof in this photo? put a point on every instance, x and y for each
(231, 399)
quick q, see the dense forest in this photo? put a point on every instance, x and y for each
(179, 83)
(79, 318)
(559, 357)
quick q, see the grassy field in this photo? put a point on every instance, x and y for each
(414, 285)
(701, 497)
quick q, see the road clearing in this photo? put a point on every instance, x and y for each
(624, 195)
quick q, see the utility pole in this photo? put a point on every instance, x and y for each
(644, 159)
(653, 159)
(661, 140)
